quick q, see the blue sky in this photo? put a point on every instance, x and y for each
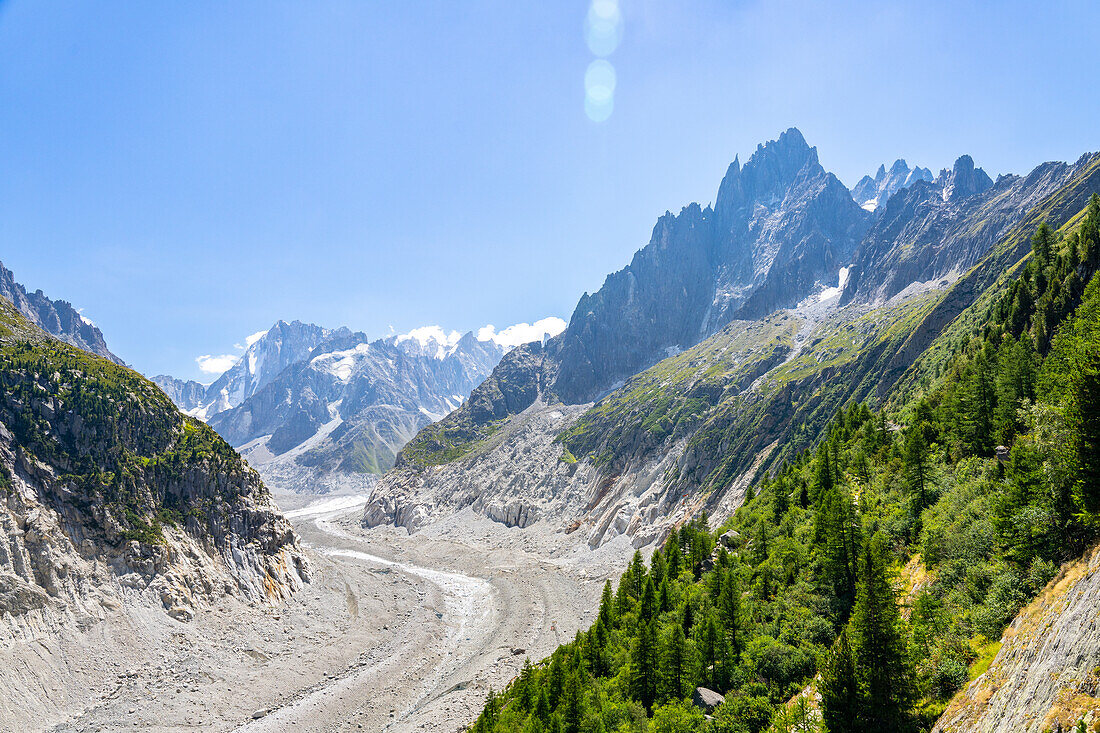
(187, 173)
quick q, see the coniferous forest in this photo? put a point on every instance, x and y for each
(864, 583)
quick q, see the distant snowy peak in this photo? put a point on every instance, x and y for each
(266, 354)
(435, 341)
(873, 193)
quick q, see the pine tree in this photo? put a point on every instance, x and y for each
(1014, 383)
(675, 661)
(657, 568)
(644, 674)
(977, 406)
(706, 642)
(837, 533)
(673, 556)
(637, 575)
(555, 680)
(1042, 245)
(488, 718)
(607, 606)
(542, 709)
(572, 713)
(880, 651)
(525, 686)
(916, 467)
(664, 598)
(841, 701)
(730, 607)
(648, 607)
(622, 596)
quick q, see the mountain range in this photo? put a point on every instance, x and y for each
(725, 346)
(316, 409)
(725, 378)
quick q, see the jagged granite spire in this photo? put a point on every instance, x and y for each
(873, 193)
(963, 180)
(766, 175)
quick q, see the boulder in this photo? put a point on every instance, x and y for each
(706, 700)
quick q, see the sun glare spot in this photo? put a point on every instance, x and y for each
(603, 27)
(599, 90)
(603, 31)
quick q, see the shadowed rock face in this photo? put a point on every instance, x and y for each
(56, 317)
(780, 224)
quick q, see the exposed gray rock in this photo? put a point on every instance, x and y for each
(1046, 675)
(706, 700)
(936, 231)
(187, 394)
(192, 523)
(353, 403)
(781, 227)
(873, 193)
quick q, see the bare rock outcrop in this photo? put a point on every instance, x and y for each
(1047, 672)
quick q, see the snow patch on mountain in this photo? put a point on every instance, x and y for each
(829, 293)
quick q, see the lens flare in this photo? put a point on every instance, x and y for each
(599, 79)
(598, 111)
(603, 27)
(599, 90)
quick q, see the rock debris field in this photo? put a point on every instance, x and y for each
(395, 633)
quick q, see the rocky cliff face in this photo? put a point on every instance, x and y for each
(109, 490)
(1046, 675)
(780, 230)
(935, 231)
(354, 403)
(873, 193)
(56, 317)
(780, 225)
(188, 395)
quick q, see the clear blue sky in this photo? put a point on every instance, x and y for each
(189, 172)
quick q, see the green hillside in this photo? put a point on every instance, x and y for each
(881, 565)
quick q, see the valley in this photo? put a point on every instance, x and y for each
(799, 416)
(394, 633)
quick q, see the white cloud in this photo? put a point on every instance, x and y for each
(255, 337)
(89, 321)
(426, 334)
(249, 340)
(212, 364)
(522, 333)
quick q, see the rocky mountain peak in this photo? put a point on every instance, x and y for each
(873, 193)
(963, 180)
(766, 176)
